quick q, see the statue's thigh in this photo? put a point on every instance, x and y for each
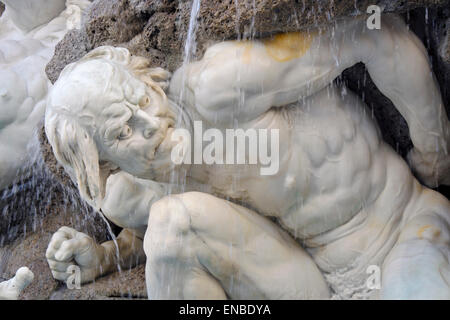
(418, 265)
(247, 254)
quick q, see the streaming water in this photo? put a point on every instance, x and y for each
(37, 196)
(178, 179)
(190, 47)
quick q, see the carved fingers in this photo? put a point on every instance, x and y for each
(69, 247)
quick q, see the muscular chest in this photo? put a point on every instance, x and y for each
(326, 153)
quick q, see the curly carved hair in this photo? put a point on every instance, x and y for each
(69, 122)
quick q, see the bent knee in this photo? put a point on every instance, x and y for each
(416, 269)
(428, 227)
(431, 220)
(167, 230)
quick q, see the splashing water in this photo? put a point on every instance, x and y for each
(37, 194)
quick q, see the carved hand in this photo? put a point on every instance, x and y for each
(70, 247)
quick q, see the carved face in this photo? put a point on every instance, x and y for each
(134, 134)
(109, 111)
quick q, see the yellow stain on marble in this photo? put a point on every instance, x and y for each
(287, 46)
(436, 234)
(245, 52)
(281, 47)
(422, 230)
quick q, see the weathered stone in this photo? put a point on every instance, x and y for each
(71, 48)
(158, 29)
(441, 38)
(128, 284)
(444, 47)
(393, 126)
(36, 208)
(29, 250)
(2, 8)
(55, 169)
(45, 191)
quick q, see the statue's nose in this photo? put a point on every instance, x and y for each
(151, 124)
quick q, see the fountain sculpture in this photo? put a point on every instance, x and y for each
(340, 191)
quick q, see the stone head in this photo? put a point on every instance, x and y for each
(109, 112)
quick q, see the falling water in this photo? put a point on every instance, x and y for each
(177, 183)
(191, 44)
(37, 193)
(190, 47)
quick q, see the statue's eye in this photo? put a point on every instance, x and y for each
(144, 101)
(125, 133)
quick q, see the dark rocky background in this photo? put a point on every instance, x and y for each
(37, 206)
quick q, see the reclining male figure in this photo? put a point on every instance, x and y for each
(340, 191)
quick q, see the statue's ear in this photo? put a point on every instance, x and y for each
(76, 150)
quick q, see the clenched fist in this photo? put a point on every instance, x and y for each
(70, 247)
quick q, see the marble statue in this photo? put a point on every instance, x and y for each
(341, 201)
(11, 289)
(29, 32)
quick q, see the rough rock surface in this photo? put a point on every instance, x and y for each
(27, 243)
(157, 29)
(30, 251)
(36, 207)
(128, 284)
(2, 8)
(30, 199)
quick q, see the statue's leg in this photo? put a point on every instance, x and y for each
(199, 247)
(418, 266)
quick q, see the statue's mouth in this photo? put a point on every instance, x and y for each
(169, 125)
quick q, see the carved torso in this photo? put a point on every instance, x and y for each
(332, 175)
